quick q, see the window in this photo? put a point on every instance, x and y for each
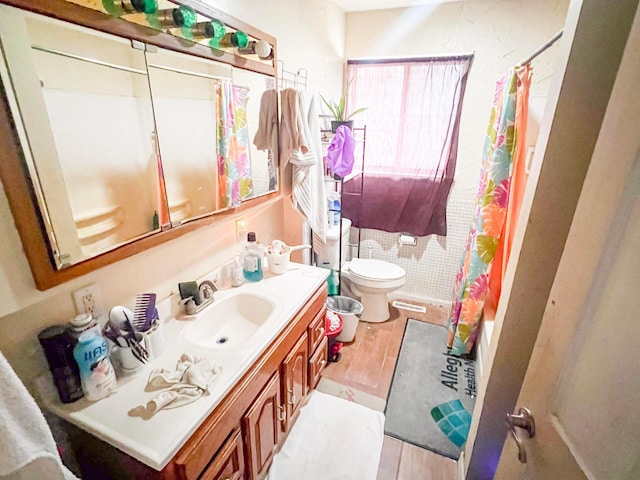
(412, 118)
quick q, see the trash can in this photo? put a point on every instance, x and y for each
(350, 311)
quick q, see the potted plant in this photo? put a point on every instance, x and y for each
(338, 109)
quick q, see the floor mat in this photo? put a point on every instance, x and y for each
(332, 438)
(351, 394)
(432, 393)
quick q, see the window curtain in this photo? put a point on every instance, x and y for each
(412, 119)
(485, 243)
(234, 164)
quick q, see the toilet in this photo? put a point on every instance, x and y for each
(371, 280)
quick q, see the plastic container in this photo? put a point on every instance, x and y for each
(252, 259)
(350, 311)
(96, 372)
(83, 323)
(327, 254)
(58, 349)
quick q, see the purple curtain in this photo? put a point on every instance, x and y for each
(413, 119)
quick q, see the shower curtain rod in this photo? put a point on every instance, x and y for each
(553, 40)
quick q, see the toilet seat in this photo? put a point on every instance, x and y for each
(376, 270)
(371, 280)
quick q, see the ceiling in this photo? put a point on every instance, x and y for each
(360, 5)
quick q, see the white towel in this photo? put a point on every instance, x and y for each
(27, 445)
(308, 153)
(186, 384)
(309, 195)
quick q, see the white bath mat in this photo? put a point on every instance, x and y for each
(351, 394)
(332, 439)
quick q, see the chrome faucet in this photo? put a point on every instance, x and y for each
(204, 294)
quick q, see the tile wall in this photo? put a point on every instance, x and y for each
(432, 264)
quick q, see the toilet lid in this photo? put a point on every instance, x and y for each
(376, 269)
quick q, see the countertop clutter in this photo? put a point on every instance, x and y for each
(122, 418)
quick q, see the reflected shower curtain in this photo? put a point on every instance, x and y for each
(488, 226)
(234, 164)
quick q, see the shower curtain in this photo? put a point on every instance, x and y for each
(234, 164)
(495, 195)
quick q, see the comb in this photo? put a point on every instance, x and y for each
(143, 312)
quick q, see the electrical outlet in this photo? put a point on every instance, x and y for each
(88, 300)
(241, 228)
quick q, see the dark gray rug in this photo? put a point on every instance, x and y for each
(432, 393)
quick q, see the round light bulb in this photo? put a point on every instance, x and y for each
(263, 49)
(185, 16)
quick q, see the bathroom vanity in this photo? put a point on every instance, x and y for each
(233, 432)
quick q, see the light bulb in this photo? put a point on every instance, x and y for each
(237, 39)
(214, 29)
(182, 16)
(118, 7)
(260, 48)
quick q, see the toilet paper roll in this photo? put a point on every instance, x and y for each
(405, 239)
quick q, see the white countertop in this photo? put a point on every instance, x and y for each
(155, 441)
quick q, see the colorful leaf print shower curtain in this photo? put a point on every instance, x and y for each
(234, 163)
(487, 228)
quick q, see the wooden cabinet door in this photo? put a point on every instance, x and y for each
(294, 380)
(262, 429)
(228, 464)
(317, 362)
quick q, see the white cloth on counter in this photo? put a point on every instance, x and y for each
(27, 445)
(186, 384)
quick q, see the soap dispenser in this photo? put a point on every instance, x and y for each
(252, 260)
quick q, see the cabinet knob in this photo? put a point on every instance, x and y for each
(292, 397)
(323, 362)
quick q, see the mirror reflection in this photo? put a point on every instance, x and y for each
(84, 101)
(184, 102)
(123, 140)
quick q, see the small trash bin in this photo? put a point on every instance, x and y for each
(349, 310)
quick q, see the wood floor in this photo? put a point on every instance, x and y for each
(367, 365)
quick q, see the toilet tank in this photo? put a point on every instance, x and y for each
(326, 255)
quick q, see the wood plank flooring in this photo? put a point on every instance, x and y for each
(367, 364)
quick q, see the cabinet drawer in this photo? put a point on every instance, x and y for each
(316, 330)
(228, 464)
(317, 362)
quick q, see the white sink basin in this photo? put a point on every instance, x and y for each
(231, 321)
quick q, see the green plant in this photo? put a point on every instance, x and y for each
(338, 109)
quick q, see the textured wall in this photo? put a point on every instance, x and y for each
(500, 33)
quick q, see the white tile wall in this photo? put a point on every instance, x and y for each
(433, 263)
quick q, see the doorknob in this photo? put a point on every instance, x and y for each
(523, 419)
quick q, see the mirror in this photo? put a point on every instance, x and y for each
(184, 102)
(124, 140)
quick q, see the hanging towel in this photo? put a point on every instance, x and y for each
(189, 382)
(309, 195)
(291, 127)
(266, 137)
(340, 155)
(27, 445)
(308, 152)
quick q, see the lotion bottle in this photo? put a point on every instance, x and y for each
(96, 371)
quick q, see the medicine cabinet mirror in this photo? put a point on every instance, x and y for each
(115, 128)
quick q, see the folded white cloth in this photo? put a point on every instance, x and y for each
(189, 382)
(27, 445)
